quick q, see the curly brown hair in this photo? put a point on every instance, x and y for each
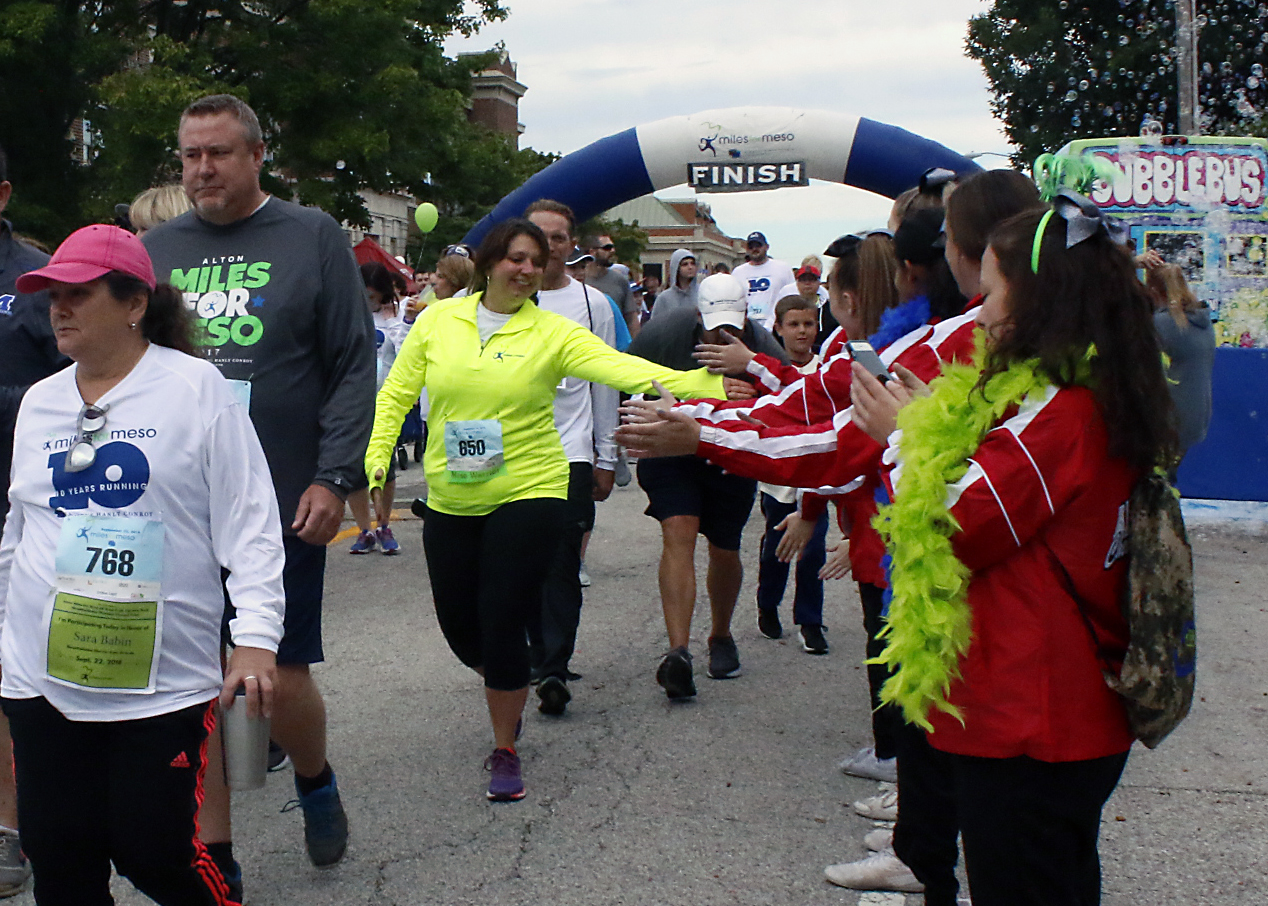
(1080, 298)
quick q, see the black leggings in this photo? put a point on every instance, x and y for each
(487, 574)
(91, 793)
(887, 720)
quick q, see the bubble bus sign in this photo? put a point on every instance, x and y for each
(1200, 203)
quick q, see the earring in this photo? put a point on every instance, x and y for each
(132, 326)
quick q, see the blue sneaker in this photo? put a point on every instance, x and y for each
(364, 543)
(325, 824)
(506, 783)
(387, 542)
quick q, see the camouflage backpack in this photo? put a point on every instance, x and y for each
(1157, 677)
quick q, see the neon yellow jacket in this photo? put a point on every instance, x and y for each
(513, 379)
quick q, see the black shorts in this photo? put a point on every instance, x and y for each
(690, 486)
(304, 580)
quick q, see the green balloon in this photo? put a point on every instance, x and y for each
(426, 215)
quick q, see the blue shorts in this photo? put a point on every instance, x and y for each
(690, 486)
(304, 579)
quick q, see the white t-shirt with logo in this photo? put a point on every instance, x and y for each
(765, 283)
(585, 413)
(177, 447)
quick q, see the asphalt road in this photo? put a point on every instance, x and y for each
(731, 799)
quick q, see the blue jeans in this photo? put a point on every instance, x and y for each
(772, 575)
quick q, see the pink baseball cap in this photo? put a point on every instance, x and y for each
(89, 253)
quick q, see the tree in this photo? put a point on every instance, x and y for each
(351, 94)
(1092, 68)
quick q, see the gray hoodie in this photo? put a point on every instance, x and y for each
(673, 298)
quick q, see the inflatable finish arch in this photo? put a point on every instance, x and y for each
(742, 148)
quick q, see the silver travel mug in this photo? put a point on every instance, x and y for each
(246, 742)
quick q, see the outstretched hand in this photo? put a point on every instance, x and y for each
(837, 563)
(797, 534)
(730, 356)
(652, 428)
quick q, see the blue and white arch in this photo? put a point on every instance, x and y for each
(834, 147)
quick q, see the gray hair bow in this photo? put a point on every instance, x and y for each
(1083, 219)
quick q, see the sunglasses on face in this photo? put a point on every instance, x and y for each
(82, 452)
(843, 245)
(607, 248)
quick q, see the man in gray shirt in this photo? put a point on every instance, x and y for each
(280, 308)
(689, 496)
(601, 275)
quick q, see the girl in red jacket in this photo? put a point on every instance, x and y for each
(1009, 483)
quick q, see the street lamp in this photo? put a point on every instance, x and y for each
(1187, 66)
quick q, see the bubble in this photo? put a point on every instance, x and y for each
(1034, 128)
(1076, 122)
(1257, 70)
(1065, 4)
(1071, 96)
(1252, 82)
(1083, 86)
(1122, 40)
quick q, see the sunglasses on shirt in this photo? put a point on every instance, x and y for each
(83, 452)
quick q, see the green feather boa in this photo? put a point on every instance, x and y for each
(930, 624)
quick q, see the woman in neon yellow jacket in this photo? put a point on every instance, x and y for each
(496, 472)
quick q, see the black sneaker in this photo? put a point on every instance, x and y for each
(675, 676)
(554, 696)
(813, 640)
(768, 624)
(325, 824)
(724, 658)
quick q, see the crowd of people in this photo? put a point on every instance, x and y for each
(189, 408)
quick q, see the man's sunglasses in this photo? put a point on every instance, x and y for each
(82, 452)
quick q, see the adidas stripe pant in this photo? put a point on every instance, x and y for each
(123, 792)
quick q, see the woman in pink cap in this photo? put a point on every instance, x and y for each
(137, 479)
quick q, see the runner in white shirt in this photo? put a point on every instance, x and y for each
(764, 278)
(137, 478)
(585, 417)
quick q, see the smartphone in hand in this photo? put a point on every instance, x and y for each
(863, 353)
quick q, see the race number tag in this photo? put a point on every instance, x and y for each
(474, 450)
(106, 628)
(241, 391)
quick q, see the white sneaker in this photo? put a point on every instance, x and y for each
(865, 764)
(14, 868)
(583, 575)
(879, 871)
(880, 840)
(881, 807)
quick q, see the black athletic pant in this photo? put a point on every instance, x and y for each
(486, 579)
(1030, 828)
(887, 720)
(928, 827)
(127, 792)
(553, 638)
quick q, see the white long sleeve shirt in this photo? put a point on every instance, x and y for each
(585, 413)
(179, 448)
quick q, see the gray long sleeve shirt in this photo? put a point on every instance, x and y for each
(280, 303)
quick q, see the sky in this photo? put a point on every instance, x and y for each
(598, 67)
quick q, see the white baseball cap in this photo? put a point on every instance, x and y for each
(722, 300)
